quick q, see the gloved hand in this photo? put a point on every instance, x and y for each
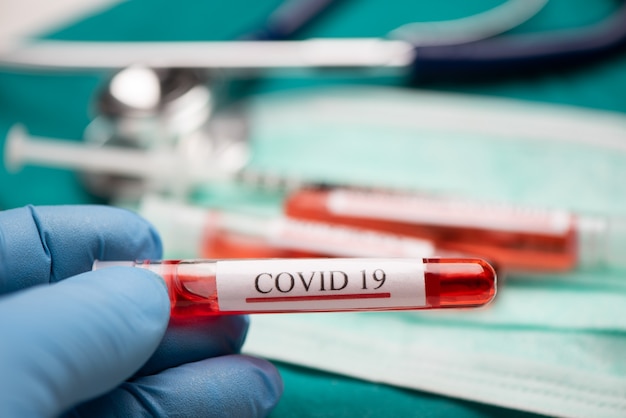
(85, 343)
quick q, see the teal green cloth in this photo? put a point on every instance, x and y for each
(311, 393)
(60, 105)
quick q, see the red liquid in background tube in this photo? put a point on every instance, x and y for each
(517, 240)
(437, 283)
(279, 237)
(223, 244)
(220, 244)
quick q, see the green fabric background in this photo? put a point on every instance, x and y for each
(59, 105)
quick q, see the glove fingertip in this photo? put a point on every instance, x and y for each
(147, 289)
(271, 381)
(235, 385)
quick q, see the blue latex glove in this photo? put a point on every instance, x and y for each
(97, 343)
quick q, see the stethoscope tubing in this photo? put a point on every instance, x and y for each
(522, 53)
(267, 49)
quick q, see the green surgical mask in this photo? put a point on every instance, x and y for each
(546, 350)
(554, 345)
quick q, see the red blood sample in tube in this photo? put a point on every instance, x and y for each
(221, 244)
(516, 239)
(290, 238)
(218, 287)
(214, 234)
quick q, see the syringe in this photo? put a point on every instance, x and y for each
(160, 165)
(189, 231)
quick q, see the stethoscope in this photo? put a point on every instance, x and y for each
(459, 48)
(161, 95)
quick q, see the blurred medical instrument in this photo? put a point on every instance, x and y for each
(432, 49)
(168, 93)
(192, 161)
(519, 239)
(216, 287)
(191, 231)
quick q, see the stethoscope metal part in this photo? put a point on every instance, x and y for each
(155, 130)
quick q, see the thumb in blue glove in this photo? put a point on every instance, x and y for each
(71, 346)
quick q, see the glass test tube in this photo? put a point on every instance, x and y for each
(300, 238)
(222, 234)
(516, 239)
(217, 287)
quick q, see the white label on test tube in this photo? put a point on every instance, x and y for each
(448, 212)
(344, 284)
